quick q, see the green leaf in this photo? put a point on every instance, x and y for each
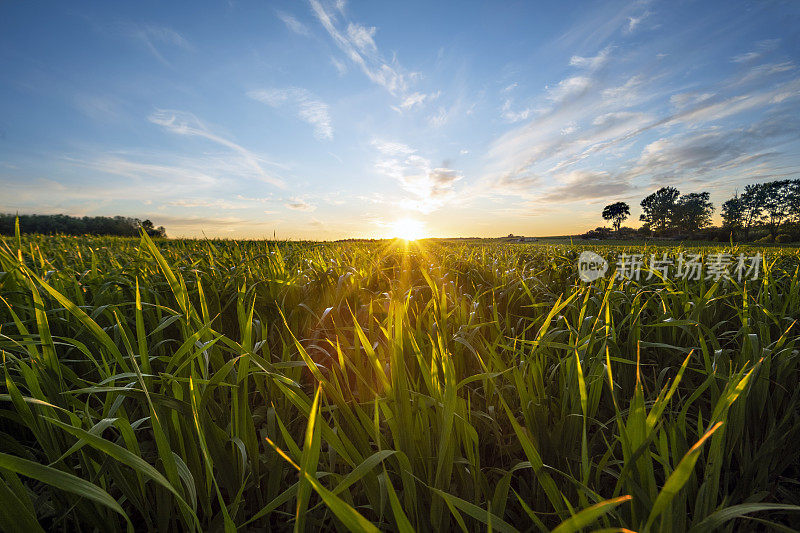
(62, 481)
(679, 477)
(589, 515)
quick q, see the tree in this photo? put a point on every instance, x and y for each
(67, 225)
(153, 231)
(776, 207)
(732, 214)
(658, 207)
(752, 205)
(793, 201)
(617, 212)
(692, 212)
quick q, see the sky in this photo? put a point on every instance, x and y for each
(322, 120)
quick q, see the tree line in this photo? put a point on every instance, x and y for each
(68, 225)
(767, 211)
(774, 205)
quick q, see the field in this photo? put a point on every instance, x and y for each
(431, 386)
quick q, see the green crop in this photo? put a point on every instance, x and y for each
(431, 386)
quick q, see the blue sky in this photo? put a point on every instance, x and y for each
(330, 119)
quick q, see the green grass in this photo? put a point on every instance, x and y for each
(442, 386)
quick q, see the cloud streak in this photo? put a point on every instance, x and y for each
(308, 108)
(591, 120)
(299, 204)
(154, 37)
(293, 24)
(184, 123)
(357, 42)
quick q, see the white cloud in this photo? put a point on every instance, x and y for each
(206, 203)
(684, 100)
(510, 88)
(596, 119)
(430, 187)
(293, 24)
(440, 118)
(98, 107)
(357, 42)
(569, 129)
(627, 92)
(569, 89)
(341, 68)
(761, 48)
(376, 69)
(153, 37)
(183, 123)
(412, 100)
(715, 109)
(634, 22)
(363, 38)
(159, 177)
(761, 72)
(512, 116)
(298, 204)
(591, 63)
(308, 108)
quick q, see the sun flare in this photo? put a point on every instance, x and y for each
(408, 229)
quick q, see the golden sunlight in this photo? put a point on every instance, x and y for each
(408, 229)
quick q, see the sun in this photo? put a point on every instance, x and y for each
(408, 229)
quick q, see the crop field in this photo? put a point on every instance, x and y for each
(392, 385)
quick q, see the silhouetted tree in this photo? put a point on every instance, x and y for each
(658, 207)
(752, 201)
(793, 200)
(617, 213)
(732, 214)
(151, 230)
(776, 207)
(692, 212)
(67, 225)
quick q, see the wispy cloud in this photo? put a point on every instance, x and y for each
(586, 185)
(155, 37)
(511, 115)
(299, 204)
(634, 22)
(592, 120)
(184, 123)
(591, 63)
(696, 154)
(98, 107)
(341, 68)
(293, 24)
(414, 99)
(210, 203)
(308, 108)
(761, 48)
(357, 42)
